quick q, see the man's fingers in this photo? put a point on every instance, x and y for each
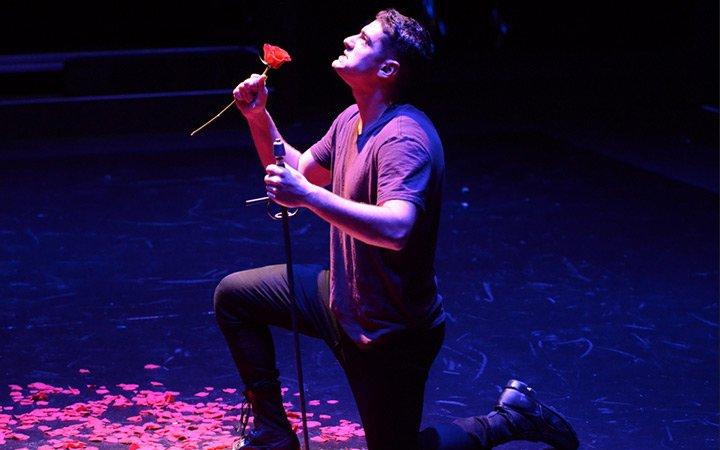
(273, 169)
(273, 180)
(248, 90)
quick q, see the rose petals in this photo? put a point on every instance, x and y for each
(154, 420)
(84, 371)
(18, 436)
(275, 56)
(39, 396)
(41, 386)
(151, 366)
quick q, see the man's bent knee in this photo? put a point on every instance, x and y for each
(228, 299)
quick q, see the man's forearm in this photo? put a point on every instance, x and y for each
(264, 132)
(385, 226)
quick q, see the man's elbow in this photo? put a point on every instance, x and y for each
(398, 238)
(400, 224)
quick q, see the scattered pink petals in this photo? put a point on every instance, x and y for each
(151, 366)
(50, 418)
(41, 386)
(84, 371)
(18, 436)
(128, 387)
(39, 396)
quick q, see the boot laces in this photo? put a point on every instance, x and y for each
(245, 410)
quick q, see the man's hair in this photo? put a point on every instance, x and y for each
(410, 43)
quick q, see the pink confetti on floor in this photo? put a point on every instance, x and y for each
(48, 417)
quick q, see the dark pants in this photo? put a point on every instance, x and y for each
(387, 380)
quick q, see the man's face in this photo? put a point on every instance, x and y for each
(364, 53)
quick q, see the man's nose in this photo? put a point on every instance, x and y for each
(349, 42)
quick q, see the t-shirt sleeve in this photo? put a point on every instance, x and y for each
(322, 150)
(404, 171)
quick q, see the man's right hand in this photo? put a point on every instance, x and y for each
(251, 96)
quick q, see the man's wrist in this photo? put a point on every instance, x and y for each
(312, 197)
(256, 117)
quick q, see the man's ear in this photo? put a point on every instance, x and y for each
(389, 68)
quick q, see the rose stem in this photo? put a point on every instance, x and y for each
(224, 109)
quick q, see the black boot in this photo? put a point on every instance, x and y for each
(519, 415)
(271, 428)
(533, 421)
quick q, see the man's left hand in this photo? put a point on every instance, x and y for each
(286, 186)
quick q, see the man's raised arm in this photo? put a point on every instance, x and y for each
(251, 98)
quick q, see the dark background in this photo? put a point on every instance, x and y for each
(683, 31)
(635, 68)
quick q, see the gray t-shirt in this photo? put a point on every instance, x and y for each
(375, 291)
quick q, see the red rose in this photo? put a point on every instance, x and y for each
(275, 56)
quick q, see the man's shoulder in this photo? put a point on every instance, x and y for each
(348, 113)
(407, 115)
(410, 122)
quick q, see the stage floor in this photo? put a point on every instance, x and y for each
(594, 282)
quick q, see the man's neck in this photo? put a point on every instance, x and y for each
(371, 105)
